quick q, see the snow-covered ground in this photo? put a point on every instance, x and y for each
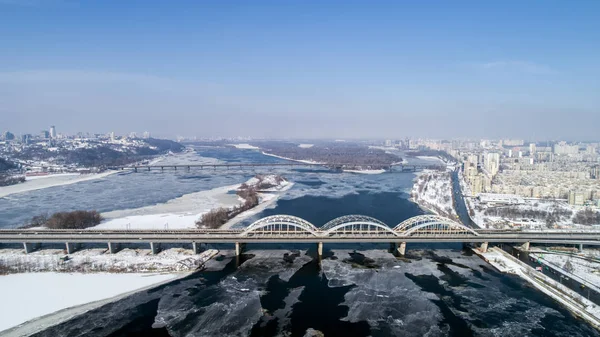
(305, 146)
(30, 295)
(383, 148)
(179, 213)
(366, 171)
(51, 180)
(28, 178)
(290, 159)
(585, 271)
(245, 146)
(430, 158)
(183, 212)
(484, 214)
(100, 260)
(266, 200)
(490, 220)
(187, 157)
(433, 190)
(568, 298)
(315, 162)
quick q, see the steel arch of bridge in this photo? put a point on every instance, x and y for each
(432, 225)
(356, 225)
(287, 225)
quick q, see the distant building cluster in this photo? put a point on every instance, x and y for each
(51, 133)
(42, 147)
(559, 170)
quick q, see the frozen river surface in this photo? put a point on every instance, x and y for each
(349, 293)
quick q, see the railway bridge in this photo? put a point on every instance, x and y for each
(396, 167)
(291, 229)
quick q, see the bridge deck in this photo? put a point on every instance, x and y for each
(232, 236)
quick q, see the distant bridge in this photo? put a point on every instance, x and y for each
(291, 229)
(403, 167)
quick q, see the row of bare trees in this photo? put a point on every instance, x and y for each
(219, 216)
(587, 216)
(66, 220)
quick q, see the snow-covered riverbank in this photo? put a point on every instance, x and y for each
(290, 159)
(51, 180)
(571, 300)
(95, 260)
(245, 146)
(28, 296)
(583, 270)
(178, 213)
(432, 190)
(183, 212)
(366, 171)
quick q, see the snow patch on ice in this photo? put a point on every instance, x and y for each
(245, 146)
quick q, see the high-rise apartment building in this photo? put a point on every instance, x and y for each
(492, 163)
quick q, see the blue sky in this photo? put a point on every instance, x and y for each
(386, 69)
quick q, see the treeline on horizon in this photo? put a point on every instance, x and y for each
(353, 155)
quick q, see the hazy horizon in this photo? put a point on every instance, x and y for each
(302, 70)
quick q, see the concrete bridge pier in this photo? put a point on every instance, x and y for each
(30, 247)
(320, 248)
(148, 168)
(401, 249)
(135, 169)
(72, 247)
(525, 246)
(484, 247)
(196, 247)
(580, 247)
(239, 248)
(113, 248)
(155, 247)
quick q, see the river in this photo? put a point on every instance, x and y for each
(280, 290)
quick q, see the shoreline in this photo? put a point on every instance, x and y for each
(290, 159)
(566, 298)
(73, 309)
(52, 181)
(312, 162)
(178, 213)
(426, 205)
(184, 211)
(46, 321)
(380, 171)
(258, 208)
